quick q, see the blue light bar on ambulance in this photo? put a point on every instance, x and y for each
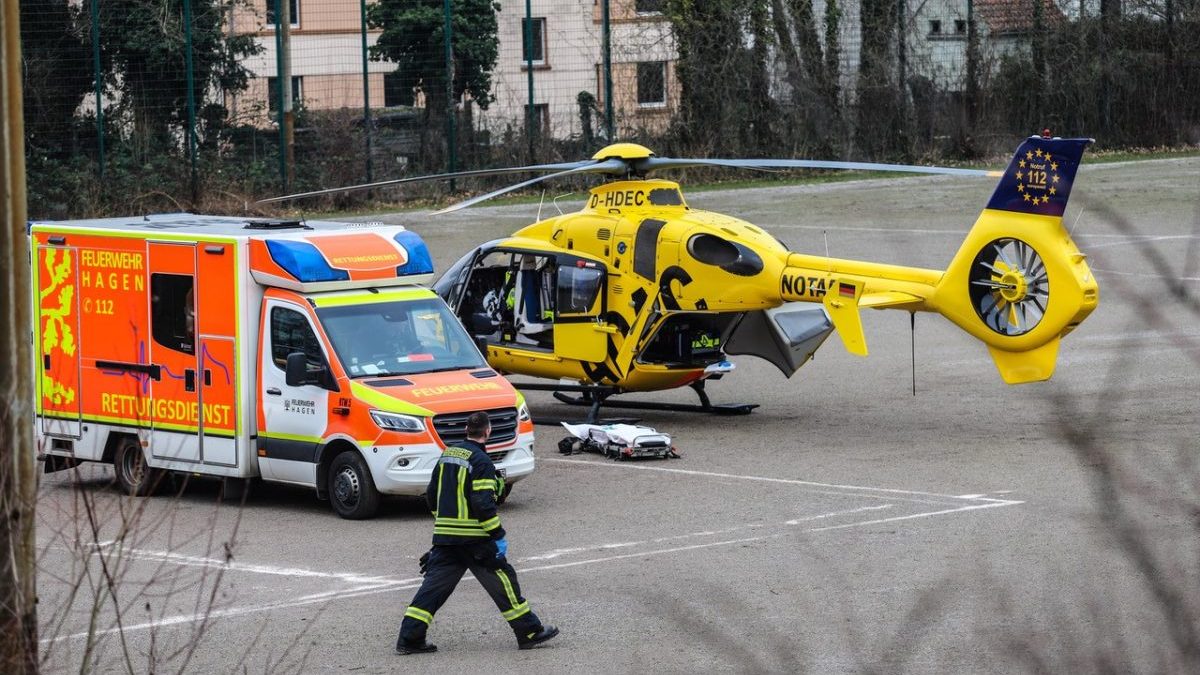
(303, 261)
(419, 260)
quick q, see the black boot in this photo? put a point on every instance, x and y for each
(538, 638)
(422, 647)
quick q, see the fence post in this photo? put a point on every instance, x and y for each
(279, 81)
(972, 69)
(451, 143)
(99, 80)
(191, 99)
(529, 73)
(607, 47)
(283, 68)
(362, 6)
(902, 57)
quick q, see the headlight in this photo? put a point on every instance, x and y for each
(523, 411)
(394, 422)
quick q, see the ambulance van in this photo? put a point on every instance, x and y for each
(302, 352)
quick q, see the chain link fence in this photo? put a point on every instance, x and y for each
(156, 105)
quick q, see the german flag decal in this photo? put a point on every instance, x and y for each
(1039, 178)
(845, 290)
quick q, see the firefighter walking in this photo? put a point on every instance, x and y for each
(467, 536)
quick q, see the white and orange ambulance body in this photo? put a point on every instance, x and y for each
(298, 352)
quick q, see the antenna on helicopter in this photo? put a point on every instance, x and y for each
(555, 201)
(825, 234)
(912, 332)
(541, 201)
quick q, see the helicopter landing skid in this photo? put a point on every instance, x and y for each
(596, 398)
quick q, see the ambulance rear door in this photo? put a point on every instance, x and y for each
(58, 347)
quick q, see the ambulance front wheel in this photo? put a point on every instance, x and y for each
(351, 488)
(504, 495)
(129, 463)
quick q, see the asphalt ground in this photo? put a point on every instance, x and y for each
(845, 526)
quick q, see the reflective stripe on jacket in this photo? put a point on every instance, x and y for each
(462, 495)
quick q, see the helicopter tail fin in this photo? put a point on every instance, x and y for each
(1018, 282)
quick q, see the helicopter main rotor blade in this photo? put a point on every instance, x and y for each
(660, 163)
(417, 179)
(609, 166)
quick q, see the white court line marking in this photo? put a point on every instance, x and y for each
(1143, 274)
(768, 479)
(1141, 239)
(414, 583)
(234, 566)
(558, 553)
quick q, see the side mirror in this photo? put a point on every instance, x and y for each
(296, 374)
(481, 344)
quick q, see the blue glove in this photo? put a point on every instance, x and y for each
(501, 547)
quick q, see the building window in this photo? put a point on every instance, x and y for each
(960, 26)
(273, 92)
(293, 13)
(648, 6)
(173, 311)
(397, 89)
(600, 88)
(935, 27)
(540, 120)
(537, 44)
(652, 83)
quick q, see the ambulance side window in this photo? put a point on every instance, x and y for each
(290, 332)
(173, 311)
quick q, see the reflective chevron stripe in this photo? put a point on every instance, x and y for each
(419, 614)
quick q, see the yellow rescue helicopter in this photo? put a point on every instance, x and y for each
(639, 292)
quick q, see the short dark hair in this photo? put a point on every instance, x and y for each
(477, 424)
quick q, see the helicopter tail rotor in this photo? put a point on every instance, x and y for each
(1018, 282)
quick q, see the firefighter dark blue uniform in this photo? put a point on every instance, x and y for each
(462, 495)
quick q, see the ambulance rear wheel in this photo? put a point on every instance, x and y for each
(351, 488)
(129, 463)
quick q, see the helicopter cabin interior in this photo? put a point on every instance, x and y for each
(516, 298)
(536, 300)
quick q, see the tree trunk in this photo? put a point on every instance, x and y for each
(18, 482)
(762, 111)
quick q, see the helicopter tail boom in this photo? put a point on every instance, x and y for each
(1018, 282)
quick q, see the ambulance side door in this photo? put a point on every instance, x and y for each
(175, 404)
(294, 417)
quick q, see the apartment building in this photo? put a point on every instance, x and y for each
(566, 53)
(326, 51)
(567, 57)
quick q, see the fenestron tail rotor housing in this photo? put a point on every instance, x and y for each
(1009, 286)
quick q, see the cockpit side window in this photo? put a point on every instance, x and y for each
(578, 288)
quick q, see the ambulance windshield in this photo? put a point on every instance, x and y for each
(398, 338)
